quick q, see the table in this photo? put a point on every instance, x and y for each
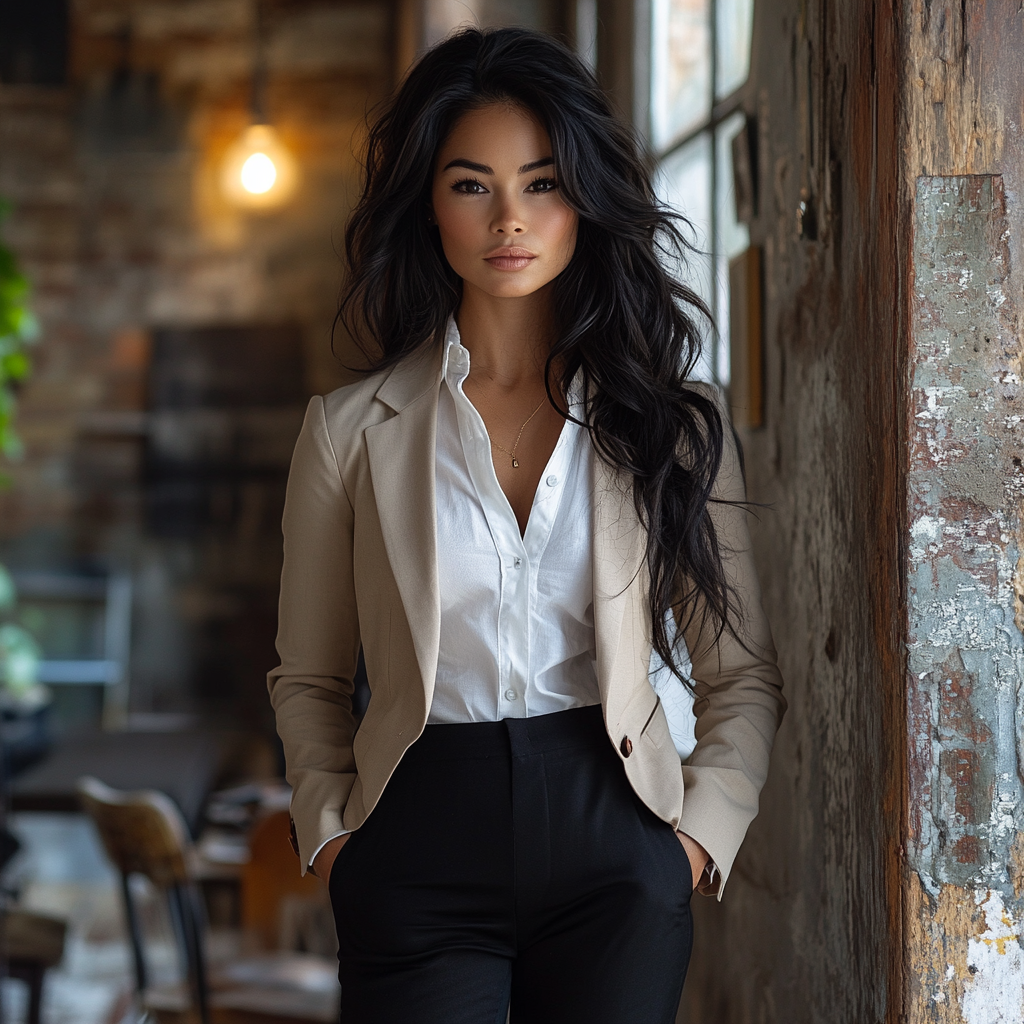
(187, 766)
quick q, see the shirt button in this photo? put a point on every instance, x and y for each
(517, 562)
(510, 695)
(551, 481)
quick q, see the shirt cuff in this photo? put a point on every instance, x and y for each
(343, 832)
(709, 874)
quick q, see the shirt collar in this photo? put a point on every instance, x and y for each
(456, 359)
(455, 353)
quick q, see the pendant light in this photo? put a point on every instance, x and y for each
(259, 173)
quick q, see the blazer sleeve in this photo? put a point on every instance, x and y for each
(317, 640)
(739, 703)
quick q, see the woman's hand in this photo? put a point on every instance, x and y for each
(699, 857)
(324, 860)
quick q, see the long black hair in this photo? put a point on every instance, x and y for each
(621, 319)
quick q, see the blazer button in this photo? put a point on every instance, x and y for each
(292, 838)
(626, 746)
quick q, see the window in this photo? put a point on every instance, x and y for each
(699, 61)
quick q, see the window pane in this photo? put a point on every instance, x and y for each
(733, 235)
(734, 22)
(680, 68)
(684, 182)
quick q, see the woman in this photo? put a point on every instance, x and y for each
(509, 515)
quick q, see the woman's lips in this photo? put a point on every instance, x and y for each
(510, 259)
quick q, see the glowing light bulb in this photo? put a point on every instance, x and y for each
(258, 171)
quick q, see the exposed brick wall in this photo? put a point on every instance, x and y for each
(118, 218)
(119, 221)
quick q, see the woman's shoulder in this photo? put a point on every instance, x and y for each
(351, 405)
(343, 415)
(335, 421)
(379, 393)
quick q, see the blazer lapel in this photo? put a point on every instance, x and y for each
(400, 451)
(617, 560)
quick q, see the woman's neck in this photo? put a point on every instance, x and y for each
(508, 338)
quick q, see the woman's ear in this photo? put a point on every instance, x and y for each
(431, 219)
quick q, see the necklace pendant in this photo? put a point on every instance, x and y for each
(515, 462)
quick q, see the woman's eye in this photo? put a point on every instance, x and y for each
(469, 187)
(543, 185)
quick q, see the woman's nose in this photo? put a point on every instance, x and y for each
(507, 219)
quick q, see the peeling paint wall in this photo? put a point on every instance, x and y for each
(966, 657)
(964, 152)
(966, 652)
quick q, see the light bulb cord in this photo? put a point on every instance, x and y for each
(258, 91)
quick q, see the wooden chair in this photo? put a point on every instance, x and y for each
(143, 833)
(33, 943)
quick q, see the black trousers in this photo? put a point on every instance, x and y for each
(511, 861)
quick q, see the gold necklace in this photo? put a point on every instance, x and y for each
(512, 454)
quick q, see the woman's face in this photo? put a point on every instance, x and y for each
(504, 226)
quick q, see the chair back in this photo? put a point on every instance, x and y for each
(142, 831)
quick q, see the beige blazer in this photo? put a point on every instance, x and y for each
(360, 568)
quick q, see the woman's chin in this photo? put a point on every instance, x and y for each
(508, 286)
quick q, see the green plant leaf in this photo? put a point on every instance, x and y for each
(18, 328)
(16, 366)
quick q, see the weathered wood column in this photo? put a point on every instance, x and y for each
(884, 877)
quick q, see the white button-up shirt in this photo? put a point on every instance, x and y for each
(517, 610)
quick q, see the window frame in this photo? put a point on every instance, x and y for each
(718, 112)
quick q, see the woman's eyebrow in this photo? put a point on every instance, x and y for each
(470, 165)
(546, 161)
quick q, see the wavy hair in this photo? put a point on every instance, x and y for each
(622, 320)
